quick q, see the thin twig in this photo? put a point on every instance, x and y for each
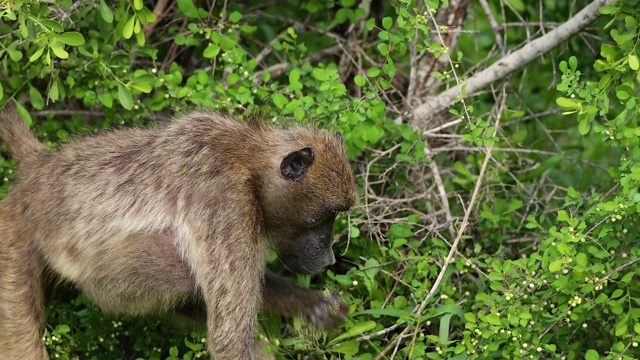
(494, 24)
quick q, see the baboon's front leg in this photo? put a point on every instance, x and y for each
(228, 265)
(286, 298)
(21, 300)
(232, 299)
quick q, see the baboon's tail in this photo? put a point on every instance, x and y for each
(20, 141)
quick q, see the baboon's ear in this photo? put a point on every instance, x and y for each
(295, 164)
(339, 136)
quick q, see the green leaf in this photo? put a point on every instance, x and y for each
(348, 348)
(627, 278)
(358, 329)
(106, 100)
(137, 4)
(591, 355)
(127, 31)
(202, 77)
(36, 55)
(72, 38)
(321, 74)
(601, 298)
(24, 114)
(622, 94)
(584, 126)
(563, 216)
(15, 55)
(372, 268)
(556, 265)
(622, 325)
(143, 87)
(581, 259)
(146, 79)
(387, 23)
(299, 113)
(347, 3)
(124, 95)
(568, 104)
(105, 12)
(292, 32)
(211, 51)
(294, 76)
(62, 135)
(383, 48)
(36, 98)
(248, 29)
(359, 80)
(24, 30)
(59, 51)
(470, 317)
(188, 8)
(226, 43)
(235, 16)
(634, 64)
(371, 23)
(563, 66)
(493, 319)
(233, 78)
(63, 329)
(52, 24)
(373, 72)
(514, 205)
(279, 100)
(607, 10)
(443, 334)
(573, 63)
(617, 293)
(54, 90)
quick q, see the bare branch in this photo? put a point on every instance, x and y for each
(435, 104)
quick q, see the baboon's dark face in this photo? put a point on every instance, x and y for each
(308, 249)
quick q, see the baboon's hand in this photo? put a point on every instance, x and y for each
(329, 312)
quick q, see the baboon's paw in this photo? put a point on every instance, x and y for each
(329, 312)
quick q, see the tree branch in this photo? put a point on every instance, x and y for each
(505, 66)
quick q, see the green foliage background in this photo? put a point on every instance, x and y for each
(548, 265)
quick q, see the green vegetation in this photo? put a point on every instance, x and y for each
(505, 226)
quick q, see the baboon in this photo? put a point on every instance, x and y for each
(151, 220)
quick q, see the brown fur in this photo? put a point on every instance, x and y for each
(117, 215)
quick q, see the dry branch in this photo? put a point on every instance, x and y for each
(505, 66)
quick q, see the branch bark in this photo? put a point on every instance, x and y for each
(505, 66)
(422, 82)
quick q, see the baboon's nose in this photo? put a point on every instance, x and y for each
(330, 259)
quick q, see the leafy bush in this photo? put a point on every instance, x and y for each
(501, 228)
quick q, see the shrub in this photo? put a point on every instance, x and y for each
(500, 228)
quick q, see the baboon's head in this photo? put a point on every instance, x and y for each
(313, 182)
